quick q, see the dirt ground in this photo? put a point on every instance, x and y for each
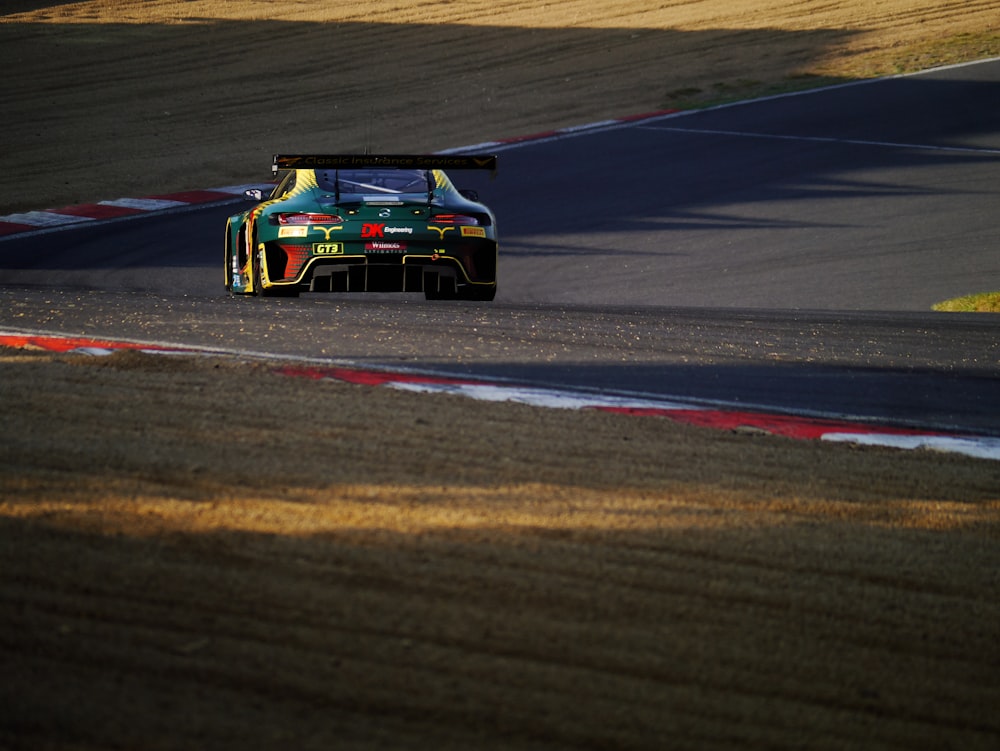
(418, 571)
(413, 571)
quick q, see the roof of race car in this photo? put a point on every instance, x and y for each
(307, 180)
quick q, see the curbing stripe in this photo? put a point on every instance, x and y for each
(789, 426)
(51, 343)
(676, 410)
(119, 208)
(36, 219)
(13, 227)
(145, 204)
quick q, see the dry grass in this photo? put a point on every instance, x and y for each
(121, 99)
(987, 302)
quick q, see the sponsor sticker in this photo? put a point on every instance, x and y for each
(378, 229)
(293, 231)
(328, 249)
(473, 232)
(376, 246)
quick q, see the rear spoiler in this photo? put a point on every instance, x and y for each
(395, 161)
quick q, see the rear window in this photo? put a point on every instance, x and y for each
(374, 181)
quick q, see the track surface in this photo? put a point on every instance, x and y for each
(798, 242)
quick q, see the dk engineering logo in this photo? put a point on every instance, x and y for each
(378, 229)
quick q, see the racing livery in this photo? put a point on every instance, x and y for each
(365, 223)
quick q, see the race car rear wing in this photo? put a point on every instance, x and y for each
(371, 161)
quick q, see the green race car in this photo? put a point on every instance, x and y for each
(365, 223)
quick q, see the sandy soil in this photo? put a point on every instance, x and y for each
(405, 571)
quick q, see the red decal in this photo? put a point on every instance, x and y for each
(373, 230)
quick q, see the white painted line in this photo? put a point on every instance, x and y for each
(822, 139)
(43, 219)
(473, 147)
(538, 397)
(588, 126)
(979, 448)
(144, 204)
(92, 351)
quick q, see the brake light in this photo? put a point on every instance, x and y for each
(309, 219)
(453, 219)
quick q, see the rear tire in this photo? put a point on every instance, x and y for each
(258, 287)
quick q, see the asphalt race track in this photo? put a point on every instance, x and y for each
(781, 254)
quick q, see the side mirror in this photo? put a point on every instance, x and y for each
(472, 195)
(254, 194)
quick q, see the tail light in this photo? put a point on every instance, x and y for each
(287, 219)
(454, 219)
